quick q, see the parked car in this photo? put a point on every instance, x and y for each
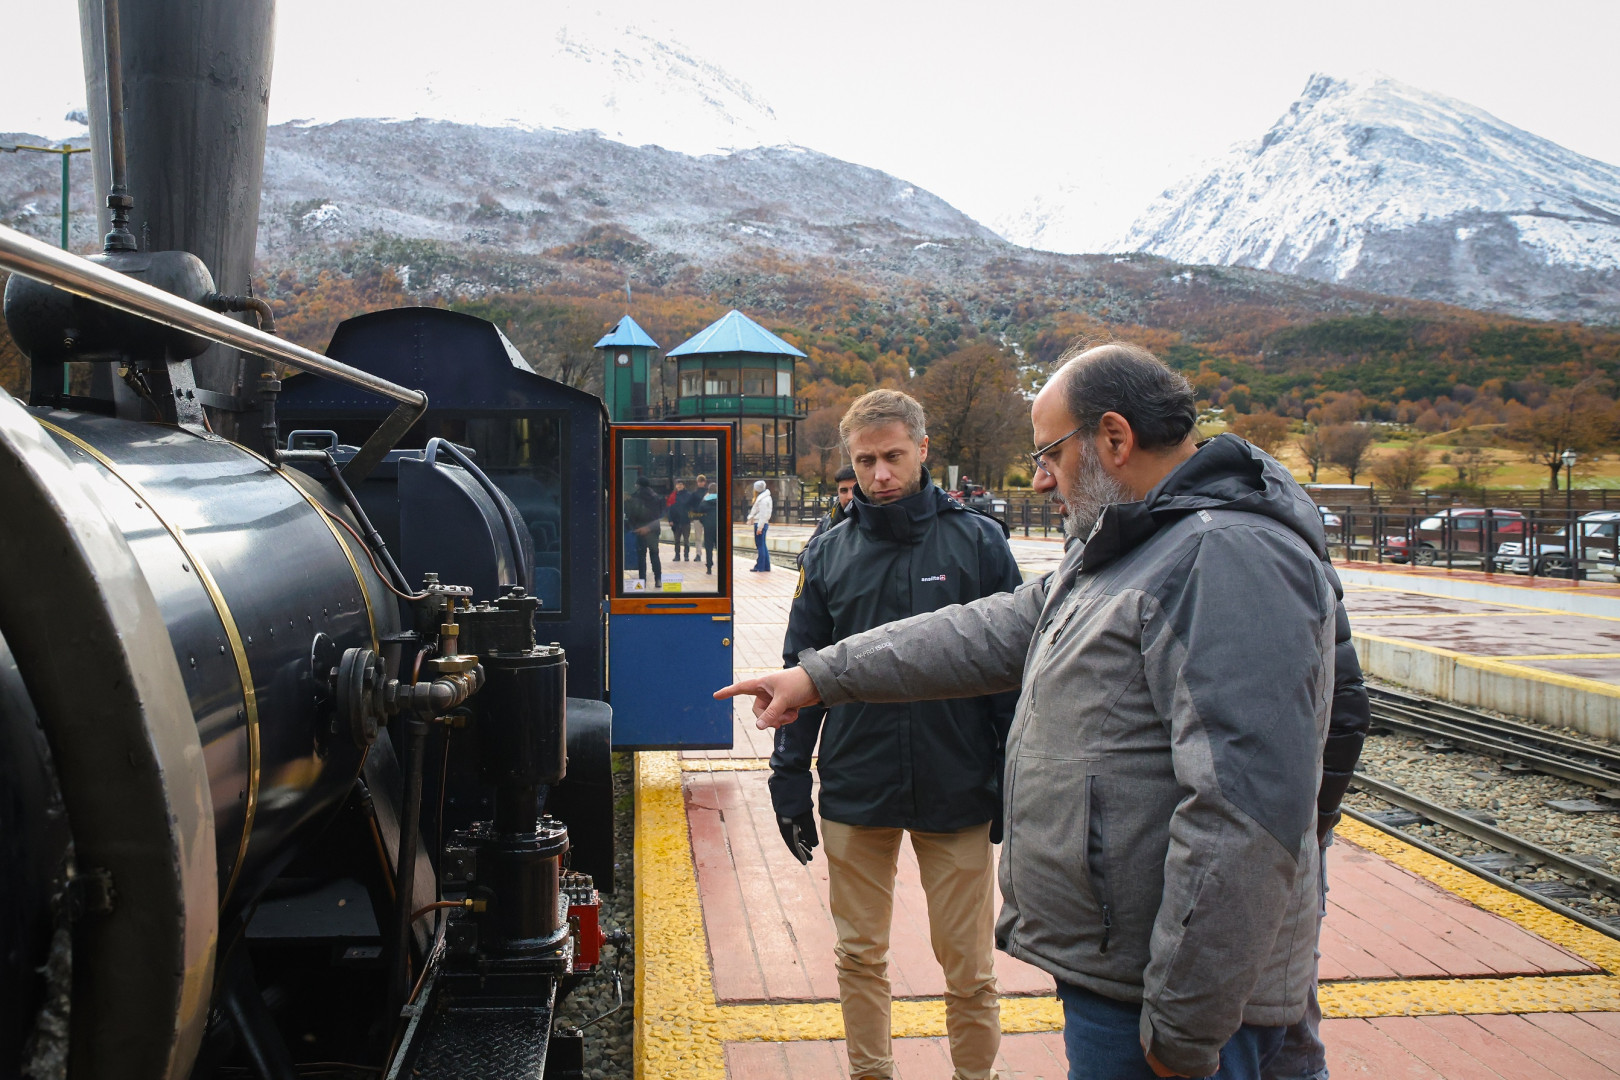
(1462, 530)
(976, 496)
(1599, 531)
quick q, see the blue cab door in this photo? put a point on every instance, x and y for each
(670, 629)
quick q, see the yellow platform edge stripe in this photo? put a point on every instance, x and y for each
(681, 1030)
(1499, 667)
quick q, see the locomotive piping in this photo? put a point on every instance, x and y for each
(118, 198)
(24, 255)
(520, 566)
(250, 703)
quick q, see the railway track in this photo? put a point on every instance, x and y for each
(1522, 749)
(1524, 745)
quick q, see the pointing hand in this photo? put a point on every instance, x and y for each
(778, 697)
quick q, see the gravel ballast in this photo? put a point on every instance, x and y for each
(610, 1044)
(1515, 803)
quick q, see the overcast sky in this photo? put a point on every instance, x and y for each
(986, 104)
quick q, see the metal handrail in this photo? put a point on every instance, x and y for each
(22, 254)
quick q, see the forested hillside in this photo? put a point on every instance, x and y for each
(1253, 343)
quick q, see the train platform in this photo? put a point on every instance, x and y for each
(1541, 648)
(1429, 971)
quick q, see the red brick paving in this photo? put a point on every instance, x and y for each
(771, 938)
(1023, 1057)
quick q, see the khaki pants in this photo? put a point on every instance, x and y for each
(958, 877)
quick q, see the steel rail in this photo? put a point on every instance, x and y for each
(1487, 834)
(1497, 727)
(1501, 881)
(24, 255)
(1542, 761)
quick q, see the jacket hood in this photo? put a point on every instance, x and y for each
(904, 520)
(1226, 473)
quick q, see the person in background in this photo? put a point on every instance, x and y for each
(679, 511)
(845, 479)
(643, 512)
(929, 770)
(700, 491)
(709, 518)
(759, 516)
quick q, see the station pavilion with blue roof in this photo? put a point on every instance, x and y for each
(736, 371)
(626, 364)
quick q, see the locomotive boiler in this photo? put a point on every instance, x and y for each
(286, 775)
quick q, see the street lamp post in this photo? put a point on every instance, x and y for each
(67, 152)
(1573, 547)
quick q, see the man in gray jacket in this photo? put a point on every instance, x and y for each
(1160, 856)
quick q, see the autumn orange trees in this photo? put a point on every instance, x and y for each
(1267, 431)
(1579, 418)
(976, 417)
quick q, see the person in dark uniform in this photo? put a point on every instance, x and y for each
(679, 512)
(643, 511)
(709, 517)
(845, 479)
(931, 770)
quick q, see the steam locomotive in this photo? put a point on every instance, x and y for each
(305, 721)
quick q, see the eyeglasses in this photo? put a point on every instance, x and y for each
(1038, 458)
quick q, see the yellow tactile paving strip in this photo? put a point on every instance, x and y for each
(681, 1029)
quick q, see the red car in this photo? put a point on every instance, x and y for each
(1462, 530)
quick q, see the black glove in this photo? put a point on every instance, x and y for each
(799, 833)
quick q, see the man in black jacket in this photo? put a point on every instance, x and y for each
(642, 512)
(678, 509)
(931, 769)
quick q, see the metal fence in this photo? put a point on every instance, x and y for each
(1531, 541)
(1416, 528)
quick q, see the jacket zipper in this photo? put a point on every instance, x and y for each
(1097, 842)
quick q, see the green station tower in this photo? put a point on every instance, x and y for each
(626, 361)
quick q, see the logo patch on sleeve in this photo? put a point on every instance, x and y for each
(798, 590)
(936, 577)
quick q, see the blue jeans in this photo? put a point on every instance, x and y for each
(1102, 1039)
(764, 562)
(1303, 1057)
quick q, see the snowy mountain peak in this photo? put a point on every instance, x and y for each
(636, 88)
(1371, 182)
(551, 67)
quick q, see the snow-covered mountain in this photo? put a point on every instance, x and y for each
(549, 66)
(514, 192)
(1375, 184)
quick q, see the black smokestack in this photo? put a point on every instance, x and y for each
(196, 91)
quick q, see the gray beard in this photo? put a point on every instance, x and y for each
(1093, 491)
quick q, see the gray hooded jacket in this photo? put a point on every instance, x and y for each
(1162, 767)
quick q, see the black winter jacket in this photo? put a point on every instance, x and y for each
(828, 520)
(1347, 727)
(932, 766)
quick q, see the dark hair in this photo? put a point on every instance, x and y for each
(844, 473)
(1127, 379)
